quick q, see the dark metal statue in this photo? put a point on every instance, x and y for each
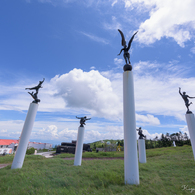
(34, 95)
(82, 121)
(186, 100)
(140, 133)
(126, 54)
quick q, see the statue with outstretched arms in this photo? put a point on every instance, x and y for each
(36, 88)
(186, 100)
(82, 120)
(140, 133)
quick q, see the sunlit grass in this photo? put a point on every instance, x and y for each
(166, 170)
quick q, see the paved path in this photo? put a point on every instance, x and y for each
(103, 158)
(46, 154)
(4, 165)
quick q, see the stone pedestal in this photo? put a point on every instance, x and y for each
(191, 128)
(25, 136)
(174, 145)
(142, 150)
(131, 168)
(79, 147)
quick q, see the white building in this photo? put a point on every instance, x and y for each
(11, 143)
(39, 145)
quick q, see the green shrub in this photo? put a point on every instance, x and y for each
(30, 151)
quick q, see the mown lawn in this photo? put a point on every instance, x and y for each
(166, 171)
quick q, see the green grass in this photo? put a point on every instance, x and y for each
(166, 170)
(92, 155)
(46, 150)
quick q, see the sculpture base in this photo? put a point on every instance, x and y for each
(127, 67)
(24, 138)
(191, 128)
(79, 147)
(142, 150)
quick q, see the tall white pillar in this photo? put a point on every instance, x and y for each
(191, 128)
(142, 150)
(174, 145)
(131, 168)
(25, 136)
(79, 147)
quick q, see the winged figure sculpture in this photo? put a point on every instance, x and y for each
(126, 54)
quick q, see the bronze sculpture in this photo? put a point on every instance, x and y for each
(140, 133)
(126, 54)
(185, 98)
(34, 95)
(82, 121)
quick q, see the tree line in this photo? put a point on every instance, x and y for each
(166, 140)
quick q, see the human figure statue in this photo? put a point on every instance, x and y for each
(186, 100)
(82, 121)
(36, 88)
(140, 133)
(126, 54)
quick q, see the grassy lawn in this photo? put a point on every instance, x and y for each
(166, 170)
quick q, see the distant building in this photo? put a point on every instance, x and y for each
(39, 145)
(8, 146)
(12, 143)
(9, 143)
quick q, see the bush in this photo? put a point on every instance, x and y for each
(30, 151)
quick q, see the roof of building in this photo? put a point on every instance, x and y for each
(36, 143)
(8, 141)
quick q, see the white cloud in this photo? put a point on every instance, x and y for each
(193, 50)
(95, 38)
(167, 18)
(185, 130)
(3, 130)
(113, 25)
(149, 135)
(118, 62)
(170, 19)
(92, 68)
(147, 119)
(156, 88)
(90, 91)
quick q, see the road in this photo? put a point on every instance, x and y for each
(46, 154)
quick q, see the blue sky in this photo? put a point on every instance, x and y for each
(74, 46)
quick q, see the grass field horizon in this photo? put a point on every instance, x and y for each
(168, 170)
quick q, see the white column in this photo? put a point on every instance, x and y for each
(142, 150)
(191, 128)
(79, 147)
(25, 136)
(131, 168)
(174, 144)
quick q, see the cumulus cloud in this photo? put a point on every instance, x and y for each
(90, 91)
(147, 119)
(158, 93)
(150, 135)
(185, 130)
(156, 89)
(171, 19)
